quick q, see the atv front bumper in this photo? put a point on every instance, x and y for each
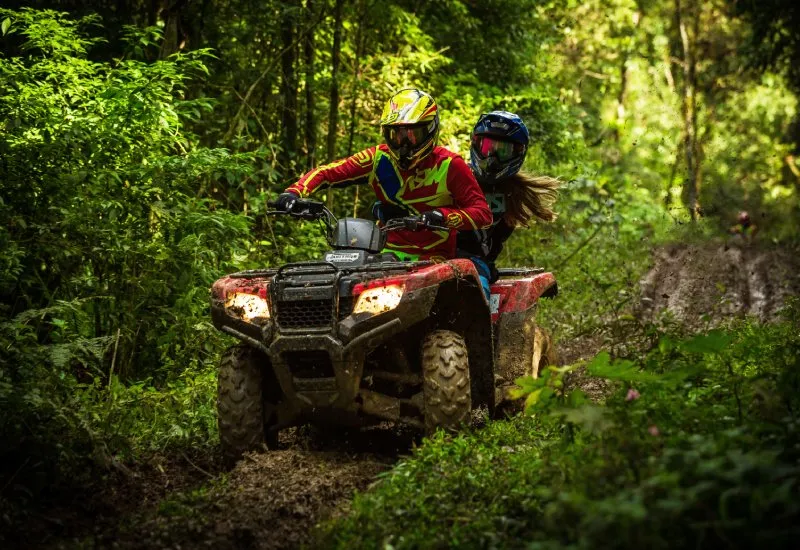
(320, 370)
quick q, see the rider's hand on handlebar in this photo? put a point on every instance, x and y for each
(286, 201)
(432, 218)
(377, 211)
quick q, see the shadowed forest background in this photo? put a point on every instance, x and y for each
(141, 140)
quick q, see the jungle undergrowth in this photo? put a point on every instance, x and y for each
(697, 445)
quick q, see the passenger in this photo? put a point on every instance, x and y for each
(499, 144)
(410, 175)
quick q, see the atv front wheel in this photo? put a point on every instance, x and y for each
(446, 386)
(240, 401)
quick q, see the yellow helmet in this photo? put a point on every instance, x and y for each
(410, 126)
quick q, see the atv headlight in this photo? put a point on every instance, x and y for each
(378, 299)
(247, 306)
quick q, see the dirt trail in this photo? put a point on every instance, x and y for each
(705, 284)
(272, 499)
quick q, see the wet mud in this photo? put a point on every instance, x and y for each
(703, 285)
(271, 499)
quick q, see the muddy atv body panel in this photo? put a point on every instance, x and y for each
(360, 337)
(333, 336)
(519, 342)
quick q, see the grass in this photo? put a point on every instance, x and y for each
(704, 453)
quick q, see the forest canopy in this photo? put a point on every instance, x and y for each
(140, 142)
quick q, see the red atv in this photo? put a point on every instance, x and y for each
(361, 337)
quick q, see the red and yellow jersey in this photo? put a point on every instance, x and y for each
(441, 181)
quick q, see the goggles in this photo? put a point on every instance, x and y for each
(503, 151)
(406, 135)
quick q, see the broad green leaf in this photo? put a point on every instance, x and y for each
(5, 25)
(592, 418)
(620, 369)
(713, 342)
(601, 360)
(576, 398)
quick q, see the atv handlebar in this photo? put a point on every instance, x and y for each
(313, 210)
(411, 223)
(305, 209)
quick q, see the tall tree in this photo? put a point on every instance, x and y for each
(171, 12)
(308, 60)
(288, 87)
(689, 98)
(333, 114)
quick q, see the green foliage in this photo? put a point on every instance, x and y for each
(696, 447)
(135, 168)
(598, 248)
(112, 238)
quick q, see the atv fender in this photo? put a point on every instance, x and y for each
(513, 295)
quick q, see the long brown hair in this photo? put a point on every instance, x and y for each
(528, 196)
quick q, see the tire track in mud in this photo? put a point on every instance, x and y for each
(706, 284)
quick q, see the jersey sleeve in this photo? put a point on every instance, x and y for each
(352, 170)
(469, 210)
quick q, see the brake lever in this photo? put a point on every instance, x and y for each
(416, 224)
(412, 223)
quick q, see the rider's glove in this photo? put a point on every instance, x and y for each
(285, 201)
(433, 217)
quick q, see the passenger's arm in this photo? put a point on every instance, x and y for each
(498, 235)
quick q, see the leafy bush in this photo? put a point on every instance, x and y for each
(112, 235)
(698, 446)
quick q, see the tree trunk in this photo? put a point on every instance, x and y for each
(333, 114)
(357, 88)
(288, 89)
(689, 111)
(174, 35)
(311, 121)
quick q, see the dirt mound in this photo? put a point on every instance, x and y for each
(702, 285)
(272, 499)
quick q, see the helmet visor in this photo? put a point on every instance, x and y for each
(410, 136)
(503, 151)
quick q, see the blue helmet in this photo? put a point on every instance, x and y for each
(499, 143)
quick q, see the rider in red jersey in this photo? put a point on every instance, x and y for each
(411, 175)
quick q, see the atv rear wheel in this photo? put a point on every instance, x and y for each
(446, 385)
(240, 401)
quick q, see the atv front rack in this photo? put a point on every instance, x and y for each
(321, 268)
